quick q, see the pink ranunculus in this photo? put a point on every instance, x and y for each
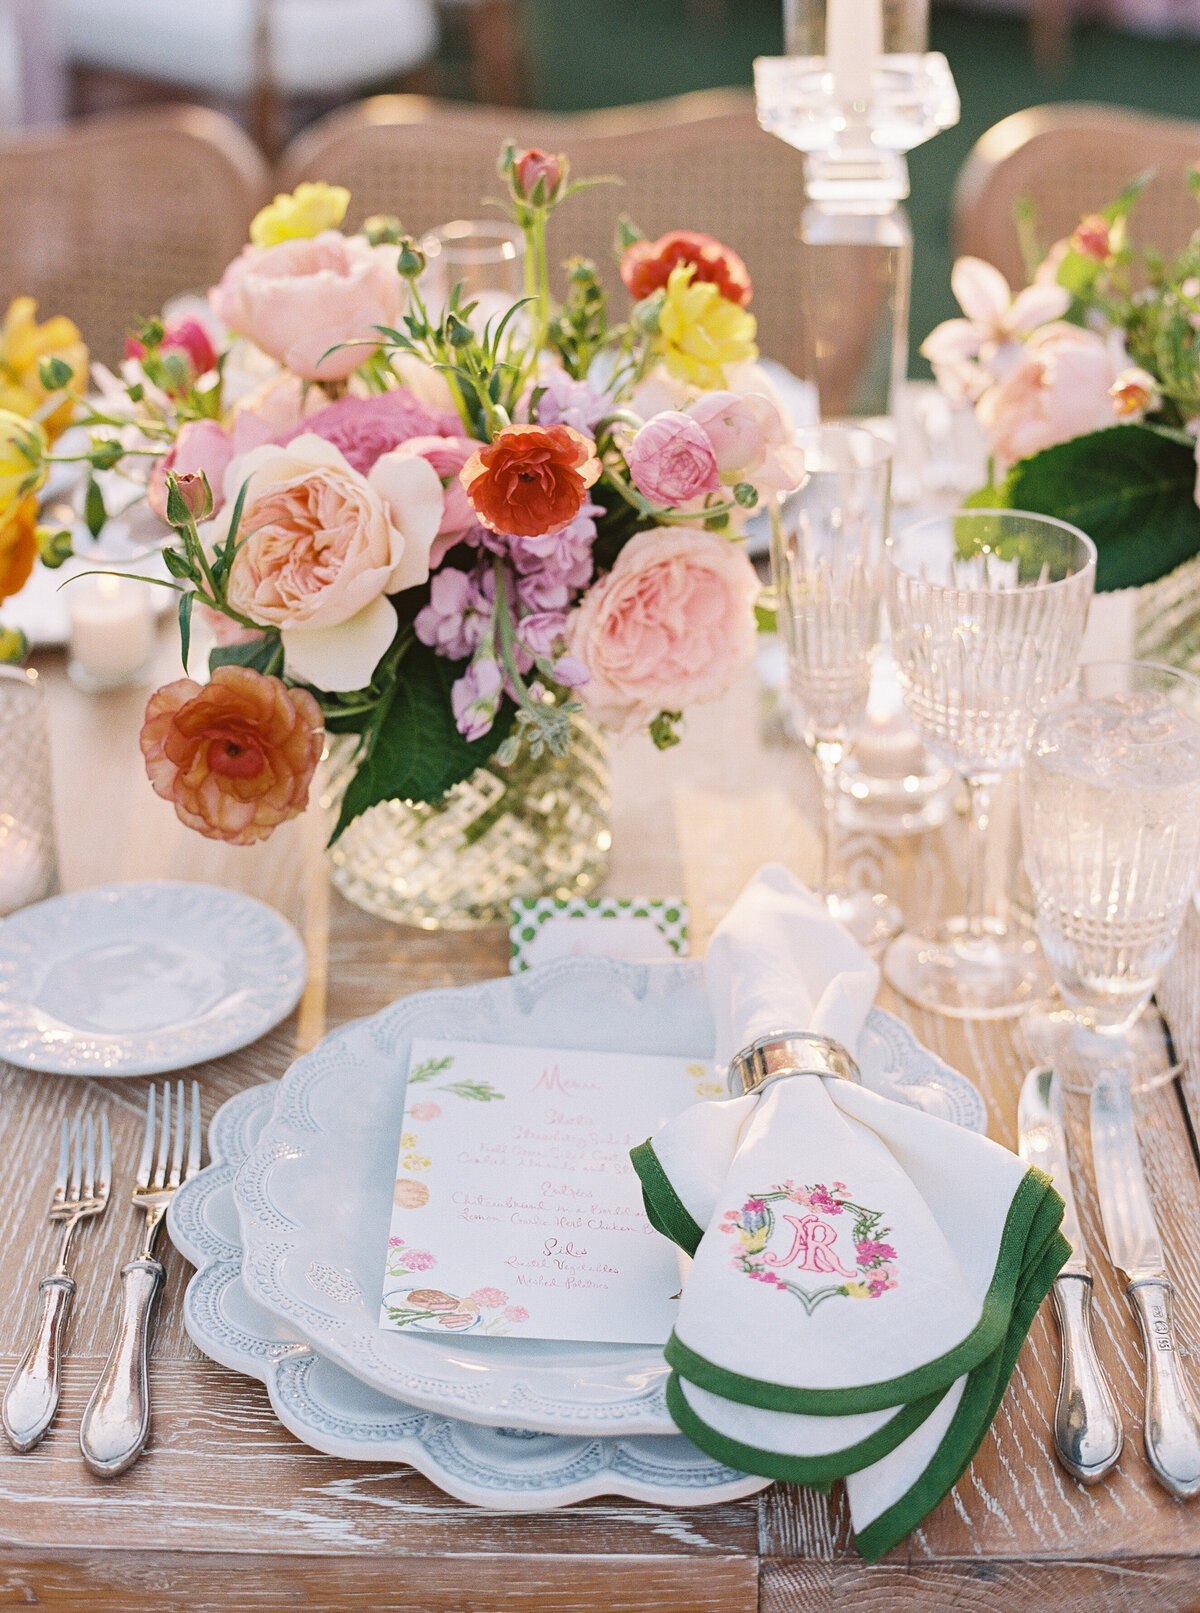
(750, 439)
(671, 625)
(321, 548)
(202, 446)
(671, 460)
(1059, 389)
(447, 455)
(302, 297)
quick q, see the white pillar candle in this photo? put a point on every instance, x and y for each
(112, 629)
(853, 44)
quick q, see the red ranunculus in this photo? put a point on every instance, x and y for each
(646, 266)
(530, 480)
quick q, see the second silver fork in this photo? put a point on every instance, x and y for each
(79, 1192)
(116, 1421)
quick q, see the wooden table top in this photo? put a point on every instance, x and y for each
(227, 1511)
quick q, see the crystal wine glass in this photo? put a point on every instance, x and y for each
(987, 612)
(1110, 814)
(827, 556)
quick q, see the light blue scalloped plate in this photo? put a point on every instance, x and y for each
(335, 1413)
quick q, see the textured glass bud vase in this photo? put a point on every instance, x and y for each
(537, 828)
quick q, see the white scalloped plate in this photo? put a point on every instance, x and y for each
(335, 1413)
(314, 1196)
(141, 978)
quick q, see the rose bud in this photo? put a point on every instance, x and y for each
(1092, 238)
(189, 498)
(534, 166)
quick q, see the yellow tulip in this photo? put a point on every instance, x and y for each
(18, 547)
(311, 208)
(23, 345)
(699, 331)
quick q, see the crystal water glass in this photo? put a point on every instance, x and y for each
(28, 860)
(1110, 814)
(827, 557)
(487, 258)
(987, 612)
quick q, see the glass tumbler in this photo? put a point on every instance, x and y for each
(987, 612)
(486, 258)
(1110, 815)
(28, 860)
(827, 557)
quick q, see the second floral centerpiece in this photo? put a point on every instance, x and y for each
(448, 538)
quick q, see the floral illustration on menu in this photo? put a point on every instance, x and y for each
(428, 1309)
(790, 1230)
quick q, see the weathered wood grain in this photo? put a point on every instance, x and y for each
(227, 1511)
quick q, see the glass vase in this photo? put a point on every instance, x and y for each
(1167, 618)
(537, 828)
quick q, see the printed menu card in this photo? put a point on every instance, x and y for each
(516, 1208)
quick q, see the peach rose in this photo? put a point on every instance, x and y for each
(321, 547)
(298, 299)
(235, 756)
(1059, 389)
(671, 625)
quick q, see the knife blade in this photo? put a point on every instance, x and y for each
(1171, 1420)
(1087, 1425)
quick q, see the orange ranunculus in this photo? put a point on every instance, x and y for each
(235, 756)
(18, 547)
(530, 480)
(646, 265)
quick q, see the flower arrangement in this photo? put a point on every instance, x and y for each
(442, 530)
(1087, 386)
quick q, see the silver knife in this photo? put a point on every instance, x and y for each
(1087, 1425)
(1171, 1424)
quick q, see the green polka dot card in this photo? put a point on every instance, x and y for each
(643, 929)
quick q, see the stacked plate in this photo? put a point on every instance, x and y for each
(288, 1228)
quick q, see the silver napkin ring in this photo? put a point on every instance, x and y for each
(771, 1058)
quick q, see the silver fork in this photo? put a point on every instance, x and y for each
(31, 1398)
(117, 1419)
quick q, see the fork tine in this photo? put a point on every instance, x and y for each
(73, 1192)
(195, 1138)
(89, 1161)
(147, 1159)
(59, 1191)
(177, 1149)
(164, 1138)
(105, 1182)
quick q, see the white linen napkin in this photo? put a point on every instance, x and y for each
(859, 1267)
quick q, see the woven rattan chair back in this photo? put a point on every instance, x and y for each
(106, 219)
(1071, 160)
(696, 162)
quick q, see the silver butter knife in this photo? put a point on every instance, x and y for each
(1087, 1425)
(1171, 1424)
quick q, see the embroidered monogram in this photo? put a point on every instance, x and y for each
(797, 1229)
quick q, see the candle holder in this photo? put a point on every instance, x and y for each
(113, 630)
(28, 859)
(856, 91)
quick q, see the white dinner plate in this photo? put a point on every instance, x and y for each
(145, 977)
(335, 1413)
(314, 1196)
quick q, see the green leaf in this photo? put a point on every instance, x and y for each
(418, 753)
(263, 655)
(479, 1091)
(185, 627)
(94, 512)
(1130, 488)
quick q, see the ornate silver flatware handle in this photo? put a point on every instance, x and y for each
(117, 1419)
(31, 1398)
(1087, 1424)
(1171, 1426)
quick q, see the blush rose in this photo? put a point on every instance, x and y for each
(1060, 388)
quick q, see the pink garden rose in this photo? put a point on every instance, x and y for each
(750, 440)
(447, 455)
(671, 460)
(321, 548)
(366, 428)
(1059, 389)
(670, 626)
(298, 299)
(202, 446)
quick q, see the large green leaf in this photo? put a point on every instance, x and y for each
(418, 753)
(1130, 488)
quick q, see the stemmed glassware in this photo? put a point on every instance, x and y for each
(987, 611)
(1110, 813)
(827, 555)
